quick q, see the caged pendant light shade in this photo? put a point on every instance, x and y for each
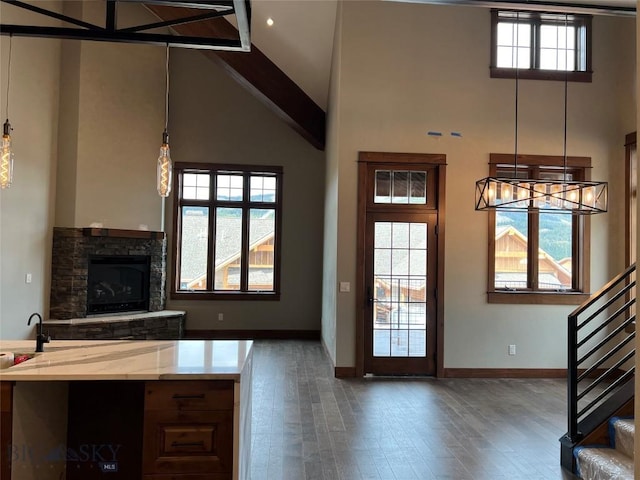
(548, 196)
(165, 166)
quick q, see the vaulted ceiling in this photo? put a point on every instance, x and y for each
(300, 41)
(289, 65)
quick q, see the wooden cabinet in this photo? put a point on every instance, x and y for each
(182, 430)
(174, 410)
(188, 430)
(6, 408)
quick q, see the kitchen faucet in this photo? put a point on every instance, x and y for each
(41, 338)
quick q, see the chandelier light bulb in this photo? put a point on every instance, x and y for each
(523, 191)
(165, 168)
(6, 157)
(589, 196)
(555, 198)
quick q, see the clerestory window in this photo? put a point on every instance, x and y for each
(543, 46)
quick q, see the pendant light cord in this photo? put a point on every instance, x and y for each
(566, 77)
(9, 76)
(166, 98)
(515, 155)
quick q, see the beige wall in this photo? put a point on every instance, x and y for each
(111, 123)
(214, 120)
(394, 79)
(92, 159)
(331, 211)
(406, 69)
(26, 209)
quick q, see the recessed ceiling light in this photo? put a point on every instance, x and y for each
(270, 21)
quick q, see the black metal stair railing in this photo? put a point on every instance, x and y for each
(601, 349)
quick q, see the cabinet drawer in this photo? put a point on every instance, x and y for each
(189, 395)
(188, 442)
(182, 439)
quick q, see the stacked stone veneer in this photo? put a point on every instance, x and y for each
(133, 327)
(70, 263)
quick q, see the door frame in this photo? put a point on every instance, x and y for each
(364, 160)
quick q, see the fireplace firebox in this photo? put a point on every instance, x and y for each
(117, 283)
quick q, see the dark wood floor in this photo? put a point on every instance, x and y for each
(309, 425)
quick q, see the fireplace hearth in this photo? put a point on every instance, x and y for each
(99, 271)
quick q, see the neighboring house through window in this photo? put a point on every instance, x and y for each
(538, 257)
(544, 46)
(227, 229)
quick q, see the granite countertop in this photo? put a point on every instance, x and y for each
(128, 360)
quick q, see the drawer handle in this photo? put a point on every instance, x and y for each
(188, 444)
(199, 396)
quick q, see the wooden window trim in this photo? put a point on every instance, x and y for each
(581, 248)
(535, 73)
(212, 169)
(537, 298)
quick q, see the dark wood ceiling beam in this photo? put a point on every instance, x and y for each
(259, 75)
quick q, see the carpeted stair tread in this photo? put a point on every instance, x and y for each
(624, 432)
(604, 464)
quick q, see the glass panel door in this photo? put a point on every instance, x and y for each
(401, 294)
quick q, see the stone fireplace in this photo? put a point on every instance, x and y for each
(119, 255)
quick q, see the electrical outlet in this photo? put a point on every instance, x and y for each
(221, 317)
(28, 278)
(512, 349)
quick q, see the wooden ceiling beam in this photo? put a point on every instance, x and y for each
(259, 75)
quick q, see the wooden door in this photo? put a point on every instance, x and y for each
(400, 254)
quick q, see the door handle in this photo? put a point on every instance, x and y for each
(369, 296)
(187, 444)
(199, 396)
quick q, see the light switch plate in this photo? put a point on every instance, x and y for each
(345, 287)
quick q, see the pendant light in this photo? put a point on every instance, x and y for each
(549, 196)
(165, 167)
(6, 151)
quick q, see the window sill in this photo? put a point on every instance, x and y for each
(537, 298)
(200, 295)
(532, 74)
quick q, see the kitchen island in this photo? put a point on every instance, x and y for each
(156, 410)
